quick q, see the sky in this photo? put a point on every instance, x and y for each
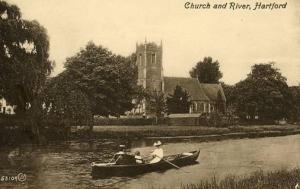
(236, 38)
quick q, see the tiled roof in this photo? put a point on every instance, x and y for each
(191, 85)
(196, 90)
(213, 91)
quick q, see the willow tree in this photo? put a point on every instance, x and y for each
(24, 64)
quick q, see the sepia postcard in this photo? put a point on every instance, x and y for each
(141, 94)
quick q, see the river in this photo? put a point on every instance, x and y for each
(67, 165)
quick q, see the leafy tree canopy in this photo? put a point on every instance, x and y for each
(231, 95)
(295, 110)
(24, 64)
(65, 104)
(108, 80)
(207, 71)
(178, 102)
(264, 93)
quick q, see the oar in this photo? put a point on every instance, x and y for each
(177, 167)
(171, 163)
(168, 162)
(111, 160)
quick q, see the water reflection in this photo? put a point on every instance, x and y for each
(67, 164)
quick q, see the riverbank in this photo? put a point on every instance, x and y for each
(13, 136)
(270, 180)
(176, 132)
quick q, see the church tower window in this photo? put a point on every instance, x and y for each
(149, 62)
(153, 58)
(140, 59)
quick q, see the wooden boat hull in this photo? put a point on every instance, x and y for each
(110, 170)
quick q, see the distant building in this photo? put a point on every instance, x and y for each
(6, 108)
(205, 98)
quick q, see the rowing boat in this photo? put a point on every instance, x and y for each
(104, 170)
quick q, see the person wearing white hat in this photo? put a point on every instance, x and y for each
(158, 153)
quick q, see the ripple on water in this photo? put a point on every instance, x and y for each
(67, 165)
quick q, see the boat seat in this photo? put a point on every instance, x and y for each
(102, 164)
(187, 154)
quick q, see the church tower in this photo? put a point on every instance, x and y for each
(150, 69)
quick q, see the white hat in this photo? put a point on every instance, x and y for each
(158, 143)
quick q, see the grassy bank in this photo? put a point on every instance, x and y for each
(282, 179)
(11, 136)
(207, 133)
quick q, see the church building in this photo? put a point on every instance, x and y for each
(205, 98)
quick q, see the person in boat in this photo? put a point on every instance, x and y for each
(122, 149)
(158, 153)
(138, 157)
(123, 157)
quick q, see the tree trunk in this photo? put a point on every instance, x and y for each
(35, 117)
(35, 130)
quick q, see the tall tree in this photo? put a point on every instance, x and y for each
(207, 71)
(24, 63)
(108, 80)
(264, 93)
(178, 102)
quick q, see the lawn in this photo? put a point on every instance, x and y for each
(194, 131)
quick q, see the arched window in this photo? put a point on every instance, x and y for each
(212, 108)
(201, 107)
(194, 107)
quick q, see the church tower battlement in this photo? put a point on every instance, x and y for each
(149, 63)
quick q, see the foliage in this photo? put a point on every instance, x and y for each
(264, 93)
(295, 110)
(214, 120)
(108, 80)
(24, 64)
(207, 71)
(65, 104)
(24, 56)
(156, 102)
(231, 96)
(178, 102)
(229, 91)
